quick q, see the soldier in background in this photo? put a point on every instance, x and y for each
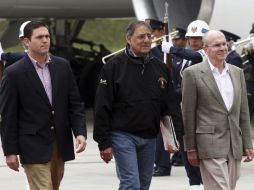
(195, 32)
(12, 57)
(8, 58)
(249, 73)
(233, 57)
(162, 157)
(179, 41)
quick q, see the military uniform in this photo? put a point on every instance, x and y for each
(11, 57)
(162, 157)
(250, 78)
(233, 57)
(196, 28)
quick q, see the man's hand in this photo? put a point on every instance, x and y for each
(193, 157)
(172, 149)
(13, 162)
(249, 155)
(165, 46)
(107, 154)
(80, 143)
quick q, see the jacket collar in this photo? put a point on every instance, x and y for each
(36, 82)
(138, 60)
(209, 80)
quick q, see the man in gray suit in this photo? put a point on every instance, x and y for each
(216, 116)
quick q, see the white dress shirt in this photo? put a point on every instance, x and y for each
(224, 84)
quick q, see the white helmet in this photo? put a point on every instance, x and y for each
(197, 28)
(21, 29)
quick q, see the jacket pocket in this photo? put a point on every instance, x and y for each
(205, 129)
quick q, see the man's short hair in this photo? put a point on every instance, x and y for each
(29, 28)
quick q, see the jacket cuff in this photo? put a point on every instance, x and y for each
(189, 143)
(104, 145)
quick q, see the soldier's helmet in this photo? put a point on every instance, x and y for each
(197, 28)
(21, 29)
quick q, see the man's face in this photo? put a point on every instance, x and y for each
(217, 49)
(195, 43)
(180, 42)
(39, 43)
(157, 33)
(140, 41)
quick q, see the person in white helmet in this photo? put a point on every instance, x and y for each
(195, 32)
(11, 57)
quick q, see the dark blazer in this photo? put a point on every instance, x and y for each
(29, 123)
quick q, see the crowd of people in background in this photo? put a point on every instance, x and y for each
(209, 95)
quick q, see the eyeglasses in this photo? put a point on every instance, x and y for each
(143, 37)
(217, 46)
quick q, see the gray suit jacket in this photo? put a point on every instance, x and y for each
(209, 127)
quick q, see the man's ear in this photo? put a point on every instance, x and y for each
(128, 39)
(25, 41)
(205, 48)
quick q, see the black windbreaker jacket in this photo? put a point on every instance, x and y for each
(132, 94)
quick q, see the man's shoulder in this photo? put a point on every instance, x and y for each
(197, 67)
(234, 68)
(60, 63)
(234, 54)
(116, 61)
(58, 59)
(16, 66)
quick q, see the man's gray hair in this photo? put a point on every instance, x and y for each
(132, 27)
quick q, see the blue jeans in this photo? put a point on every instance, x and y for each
(134, 157)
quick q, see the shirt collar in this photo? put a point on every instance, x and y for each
(36, 64)
(226, 68)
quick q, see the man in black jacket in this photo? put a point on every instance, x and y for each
(134, 92)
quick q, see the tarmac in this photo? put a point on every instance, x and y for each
(89, 172)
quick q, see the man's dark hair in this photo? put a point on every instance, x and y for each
(29, 28)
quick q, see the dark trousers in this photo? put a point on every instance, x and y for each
(162, 157)
(193, 172)
(177, 157)
(250, 90)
